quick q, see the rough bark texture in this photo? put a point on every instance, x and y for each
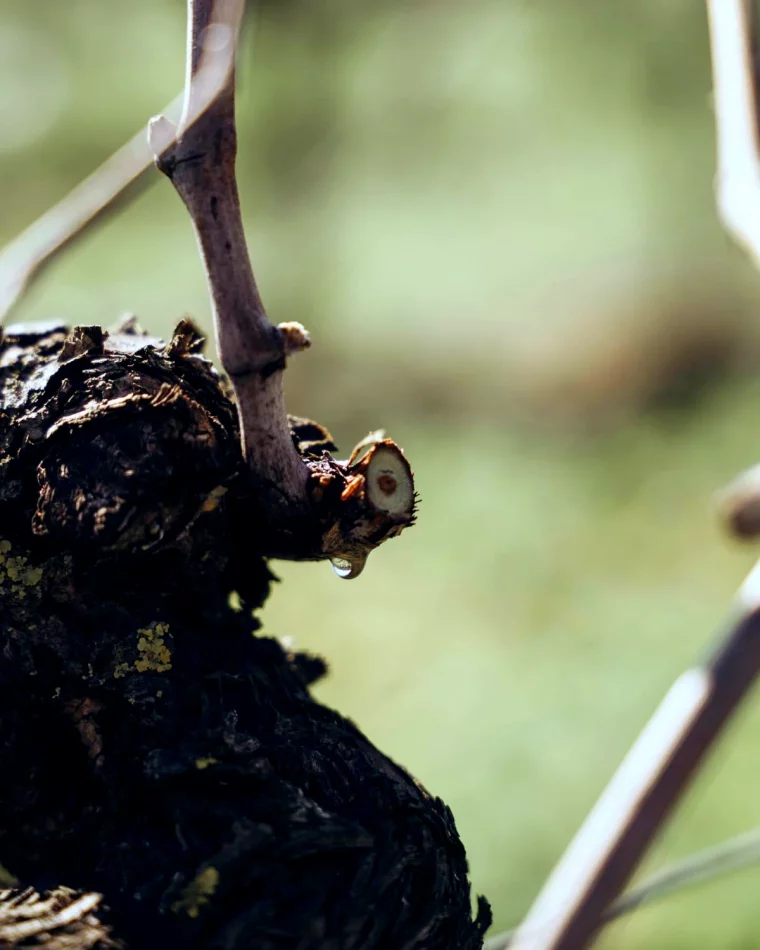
(60, 920)
(153, 747)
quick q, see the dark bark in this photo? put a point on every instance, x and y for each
(154, 748)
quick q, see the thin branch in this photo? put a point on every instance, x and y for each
(25, 257)
(733, 36)
(305, 508)
(703, 867)
(644, 791)
(201, 166)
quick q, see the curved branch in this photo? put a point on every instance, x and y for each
(308, 507)
(26, 256)
(201, 166)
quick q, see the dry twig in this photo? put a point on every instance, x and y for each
(23, 259)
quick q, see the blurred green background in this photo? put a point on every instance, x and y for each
(496, 219)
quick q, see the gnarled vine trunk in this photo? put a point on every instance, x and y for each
(154, 747)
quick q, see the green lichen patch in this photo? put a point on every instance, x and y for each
(17, 575)
(153, 652)
(198, 892)
(204, 763)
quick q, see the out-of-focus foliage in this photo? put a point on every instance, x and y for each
(496, 219)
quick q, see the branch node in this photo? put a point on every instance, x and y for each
(295, 337)
(161, 135)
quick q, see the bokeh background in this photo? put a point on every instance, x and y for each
(496, 219)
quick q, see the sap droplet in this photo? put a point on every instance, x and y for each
(347, 568)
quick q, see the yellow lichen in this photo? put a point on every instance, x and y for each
(6, 878)
(198, 892)
(14, 567)
(32, 576)
(204, 763)
(154, 653)
(234, 601)
(18, 571)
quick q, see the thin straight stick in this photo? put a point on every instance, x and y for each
(733, 41)
(704, 867)
(643, 792)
